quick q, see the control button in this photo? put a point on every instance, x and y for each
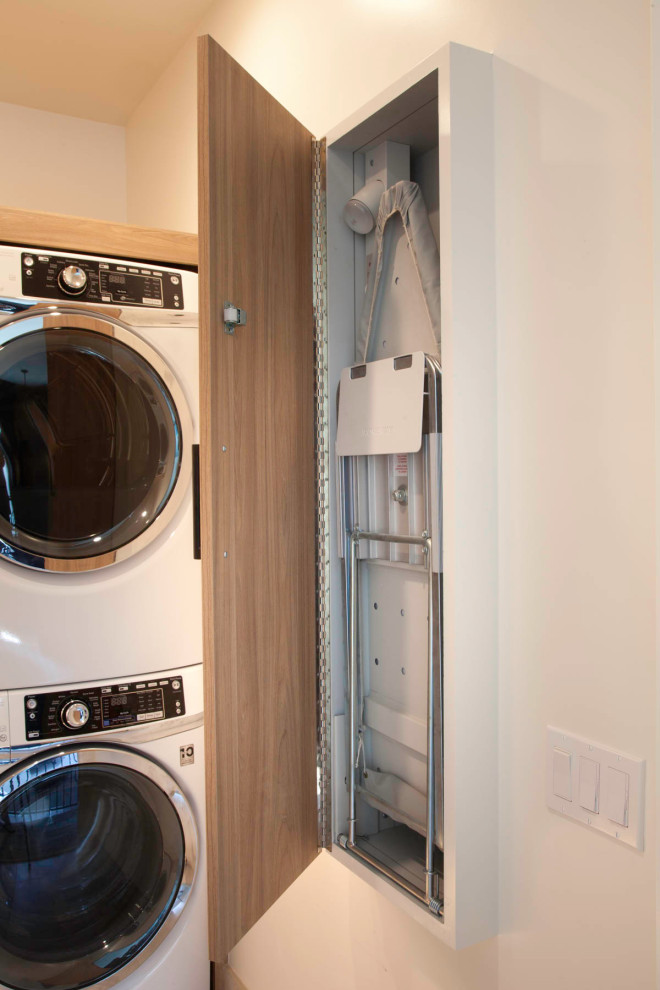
(176, 684)
(617, 802)
(174, 279)
(163, 682)
(589, 785)
(75, 714)
(122, 687)
(72, 280)
(28, 271)
(28, 262)
(561, 774)
(31, 703)
(44, 258)
(106, 690)
(138, 687)
(152, 684)
(32, 715)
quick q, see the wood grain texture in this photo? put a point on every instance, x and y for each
(119, 240)
(257, 400)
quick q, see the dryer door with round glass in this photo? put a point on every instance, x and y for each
(94, 444)
(97, 857)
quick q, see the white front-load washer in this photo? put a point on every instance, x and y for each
(102, 856)
(99, 540)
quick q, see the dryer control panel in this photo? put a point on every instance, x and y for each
(99, 709)
(62, 277)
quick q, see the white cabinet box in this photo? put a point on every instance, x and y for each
(443, 111)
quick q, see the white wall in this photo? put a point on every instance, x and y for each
(655, 45)
(576, 458)
(62, 164)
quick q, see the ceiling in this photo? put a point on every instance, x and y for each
(89, 58)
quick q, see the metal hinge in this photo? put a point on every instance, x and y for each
(322, 495)
(233, 317)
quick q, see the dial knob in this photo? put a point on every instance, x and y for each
(73, 280)
(75, 714)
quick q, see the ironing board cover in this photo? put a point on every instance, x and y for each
(404, 198)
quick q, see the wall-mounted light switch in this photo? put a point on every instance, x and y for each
(618, 785)
(589, 783)
(596, 786)
(561, 774)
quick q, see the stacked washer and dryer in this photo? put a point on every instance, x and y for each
(102, 867)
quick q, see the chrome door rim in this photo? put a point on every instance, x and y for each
(50, 318)
(83, 754)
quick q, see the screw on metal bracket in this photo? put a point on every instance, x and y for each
(400, 495)
(233, 317)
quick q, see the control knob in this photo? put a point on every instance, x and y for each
(72, 280)
(75, 714)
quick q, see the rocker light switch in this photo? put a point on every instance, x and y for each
(589, 781)
(597, 787)
(618, 784)
(561, 774)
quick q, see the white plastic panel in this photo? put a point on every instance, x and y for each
(381, 407)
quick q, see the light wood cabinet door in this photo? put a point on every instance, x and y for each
(258, 494)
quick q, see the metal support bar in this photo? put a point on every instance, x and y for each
(351, 515)
(433, 904)
(430, 727)
(352, 554)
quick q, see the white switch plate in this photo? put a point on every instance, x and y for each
(632, 833)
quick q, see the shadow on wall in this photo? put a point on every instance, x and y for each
(575, 468)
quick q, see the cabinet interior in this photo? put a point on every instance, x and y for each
(393, 578)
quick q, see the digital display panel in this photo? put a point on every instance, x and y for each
(134, 706)
(124, 287)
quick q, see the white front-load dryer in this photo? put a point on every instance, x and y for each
(102, 853)
(99, 543)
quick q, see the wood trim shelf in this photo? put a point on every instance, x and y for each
(82, 234)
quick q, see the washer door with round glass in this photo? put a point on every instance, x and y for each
(95, 448)
(97, 858)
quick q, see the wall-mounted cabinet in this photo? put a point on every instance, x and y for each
(273, 574)
(443, 112)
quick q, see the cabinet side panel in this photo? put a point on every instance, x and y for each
(470, 506)
(255, 163)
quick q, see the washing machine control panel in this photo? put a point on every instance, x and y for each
(99, 709)
(57, 277)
